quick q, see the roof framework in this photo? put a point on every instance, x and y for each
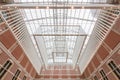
(59, 6)
(61, 29)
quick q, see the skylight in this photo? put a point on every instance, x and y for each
(62, 33)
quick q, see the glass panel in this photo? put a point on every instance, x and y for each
(16, 75)
(95, 78)
(4, 69)
(103, 75)
(115, 69)
(60, 21)
(24, 78)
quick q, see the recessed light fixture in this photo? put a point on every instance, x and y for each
(111, 7)
(83, 7)
(47, 7)
(37, 7)
(104, 7)
(72, 7)
(15, 7)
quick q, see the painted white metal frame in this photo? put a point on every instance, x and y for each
(59, 6)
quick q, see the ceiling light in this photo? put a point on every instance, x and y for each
(82, 7)
(47, 7)
(72, 7)
(110, 7)
(37, 7)
(104, 7)
(15, 7)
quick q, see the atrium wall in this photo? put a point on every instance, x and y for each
(107, 52)
(12, 54)
(10, 50)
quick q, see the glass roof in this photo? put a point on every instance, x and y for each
(58, 29)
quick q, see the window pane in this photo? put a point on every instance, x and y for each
(16, 75)
(103, 75)
(24, 78)
(95, 78)
(4, 69)
(115, 69)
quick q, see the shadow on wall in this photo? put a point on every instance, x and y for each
(113, 1)
(7, 1)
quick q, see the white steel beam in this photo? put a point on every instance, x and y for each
(59, 25)
(68, 17)
(58, 6)
(60, 34)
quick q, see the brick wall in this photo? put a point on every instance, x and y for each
(14, 53)
(108, 51)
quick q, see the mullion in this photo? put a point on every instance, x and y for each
(95, 78)
(44, 30)
(9, 64)
(72, 28)
(87, 21)
(4, 69)
(47, 27)
(115, 69)
(16, 75)
(2, 72)
(93, 19)
(28, 22)
(24, 78)
(6, 64)
(33, 18)
(103, 75)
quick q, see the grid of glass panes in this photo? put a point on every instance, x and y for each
(60, 21)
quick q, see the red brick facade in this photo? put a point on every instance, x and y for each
(108, 51)
(16, 55)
